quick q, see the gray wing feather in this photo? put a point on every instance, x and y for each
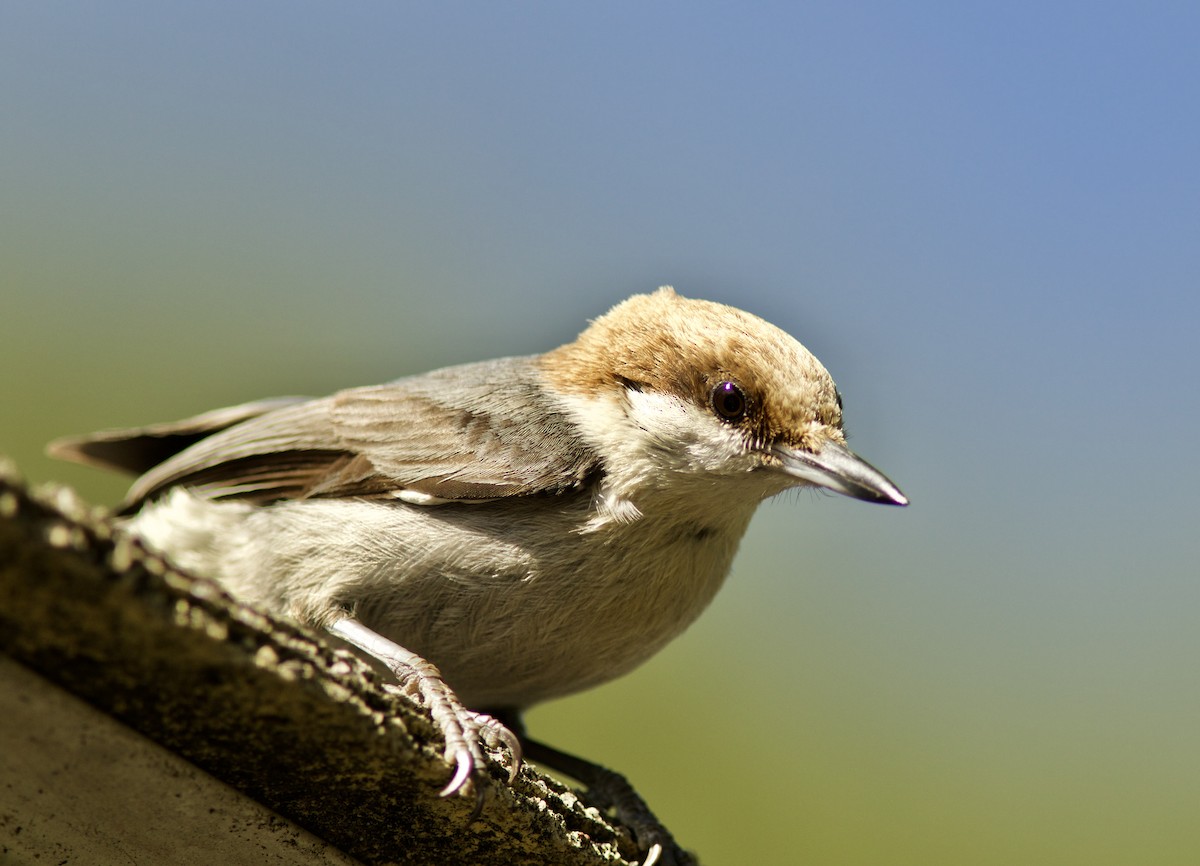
(477, 431)
(137, 450)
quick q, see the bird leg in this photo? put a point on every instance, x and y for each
(462, 729)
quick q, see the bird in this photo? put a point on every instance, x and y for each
(504, 532)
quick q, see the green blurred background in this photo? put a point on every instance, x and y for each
(984, 219)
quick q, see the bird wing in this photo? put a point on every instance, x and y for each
(139, 449)
(477, 431)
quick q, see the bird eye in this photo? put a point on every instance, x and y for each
(728, 401)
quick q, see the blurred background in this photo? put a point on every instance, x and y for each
(984, 219)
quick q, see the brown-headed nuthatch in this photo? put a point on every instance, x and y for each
(532, 526)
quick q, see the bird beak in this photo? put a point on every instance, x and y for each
(840, 469)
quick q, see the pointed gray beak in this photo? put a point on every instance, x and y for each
(838, 468)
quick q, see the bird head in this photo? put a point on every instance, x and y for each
(667, 387)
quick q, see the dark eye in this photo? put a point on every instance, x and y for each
(728, 401)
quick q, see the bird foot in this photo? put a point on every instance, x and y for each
(465, 731)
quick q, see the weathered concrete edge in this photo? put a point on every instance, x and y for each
(80, 787)
(265, 706)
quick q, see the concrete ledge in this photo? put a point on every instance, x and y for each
(80, 787)
(267, 708)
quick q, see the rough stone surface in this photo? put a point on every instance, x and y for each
(264, 706)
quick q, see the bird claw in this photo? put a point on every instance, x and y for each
(464, 730)
(464, 767)
(498, 735)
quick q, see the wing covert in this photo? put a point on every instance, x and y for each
(471, 432)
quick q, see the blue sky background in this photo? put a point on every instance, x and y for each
(985, 220)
